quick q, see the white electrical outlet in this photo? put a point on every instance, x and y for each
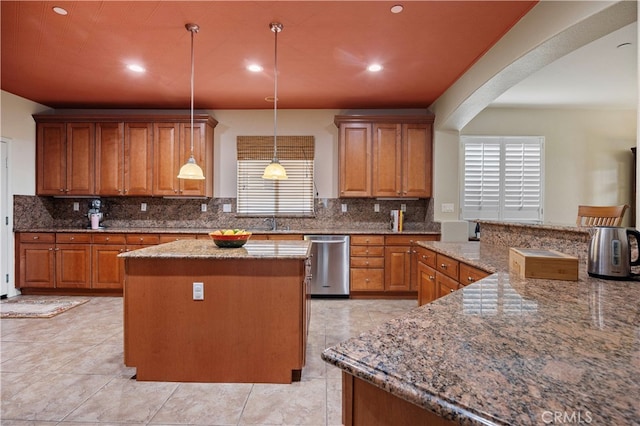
(143, 207)
(376, 207)
(447, 207)
(203, 207)
(76, 206)
(226, 208)
(198, 291)
(344, 208)
(403, 207)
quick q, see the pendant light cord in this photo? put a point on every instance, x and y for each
(193, 28)
(276, 28)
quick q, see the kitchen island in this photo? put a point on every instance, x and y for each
(247, 325)
(503, 350)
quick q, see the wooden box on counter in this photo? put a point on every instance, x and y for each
(542, 263)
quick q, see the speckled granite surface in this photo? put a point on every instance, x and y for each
(510, 351)
(206, 249)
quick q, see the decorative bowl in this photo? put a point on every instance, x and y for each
(230, 241)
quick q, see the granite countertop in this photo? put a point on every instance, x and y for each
(171, 230)
(206, 249)
(506, 350)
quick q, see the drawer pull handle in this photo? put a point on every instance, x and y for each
(36, 238)
(451, 290)
(443, 266)
(431, 277)
(470, 279)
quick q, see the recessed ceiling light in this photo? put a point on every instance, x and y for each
(136, 68)
(374, 68)
(254, 68)
(397, 8)
(59, 10)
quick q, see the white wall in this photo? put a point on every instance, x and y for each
(588, 156)
(317, 123)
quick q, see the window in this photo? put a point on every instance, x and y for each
(260, 197)
(503, 178)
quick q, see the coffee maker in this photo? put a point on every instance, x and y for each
(94, 214)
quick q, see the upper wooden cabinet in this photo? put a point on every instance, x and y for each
(122, 154)
(385, 156)
(65, 158)
(124, 161)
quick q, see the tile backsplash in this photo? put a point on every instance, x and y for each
(33, 212)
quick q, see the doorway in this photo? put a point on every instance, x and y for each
(4, 217)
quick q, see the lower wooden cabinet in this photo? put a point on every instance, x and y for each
(366, 263)
(107, 270)
(427, 287)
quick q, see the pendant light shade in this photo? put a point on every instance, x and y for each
(275, 171)
(191, 170)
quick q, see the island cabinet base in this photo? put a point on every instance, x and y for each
(250, 327)
(365, 404)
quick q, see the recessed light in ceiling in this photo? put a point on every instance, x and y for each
(136, 68)
(59, 10)
(397, 8)
(374, 68)
(255, 68)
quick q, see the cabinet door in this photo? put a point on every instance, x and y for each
(37, 265)
(355, 159)
(80, 154)
(109, 158)
(445, 284)
(416, 160)
(397, 268)
(469, 274)
(107, 269)
(51, 160)
(73, 265)
(190, 187)
(427, 290)
(138, 159)
(166, 158)
(387, 164)
(367, 279)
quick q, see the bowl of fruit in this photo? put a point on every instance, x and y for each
(230, 238)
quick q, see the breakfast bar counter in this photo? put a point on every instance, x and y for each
(194, 312)
(503, 350)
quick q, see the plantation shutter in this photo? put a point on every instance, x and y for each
(502, 178)
(260, 197)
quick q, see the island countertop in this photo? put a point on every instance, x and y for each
(506, 350)
(206, 249)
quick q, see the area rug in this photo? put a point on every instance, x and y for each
(38, 307)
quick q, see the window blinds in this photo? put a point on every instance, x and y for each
(260, 197)
(502, 178)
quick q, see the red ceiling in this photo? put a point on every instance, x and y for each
(78, 60)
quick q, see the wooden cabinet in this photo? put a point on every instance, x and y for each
(355, 159)
(402, 160)
(385, 156)
(107, 270)
(65, 158)
(122, 154)
(397, 262)
(172, 149)
(277, 237)
(124, 159)
(49, 260)
(439, 275)
(367, 263)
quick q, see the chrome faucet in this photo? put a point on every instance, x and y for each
(272, 223)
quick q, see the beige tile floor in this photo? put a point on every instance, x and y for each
(69, 370)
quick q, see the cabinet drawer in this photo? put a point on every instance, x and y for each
(176, 237)
(445, 284)
(447, 266)
(37, 237)
(109, 239)
(149, 239)
(65, 238)
(363, 279)
(367, 250)
(367, 262)
(426, 256)
(367, 240)
(400, 240)
(470, 274)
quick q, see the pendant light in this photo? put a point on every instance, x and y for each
(275, 171)
(191, 170)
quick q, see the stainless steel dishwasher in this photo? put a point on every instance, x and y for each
(329, 265)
